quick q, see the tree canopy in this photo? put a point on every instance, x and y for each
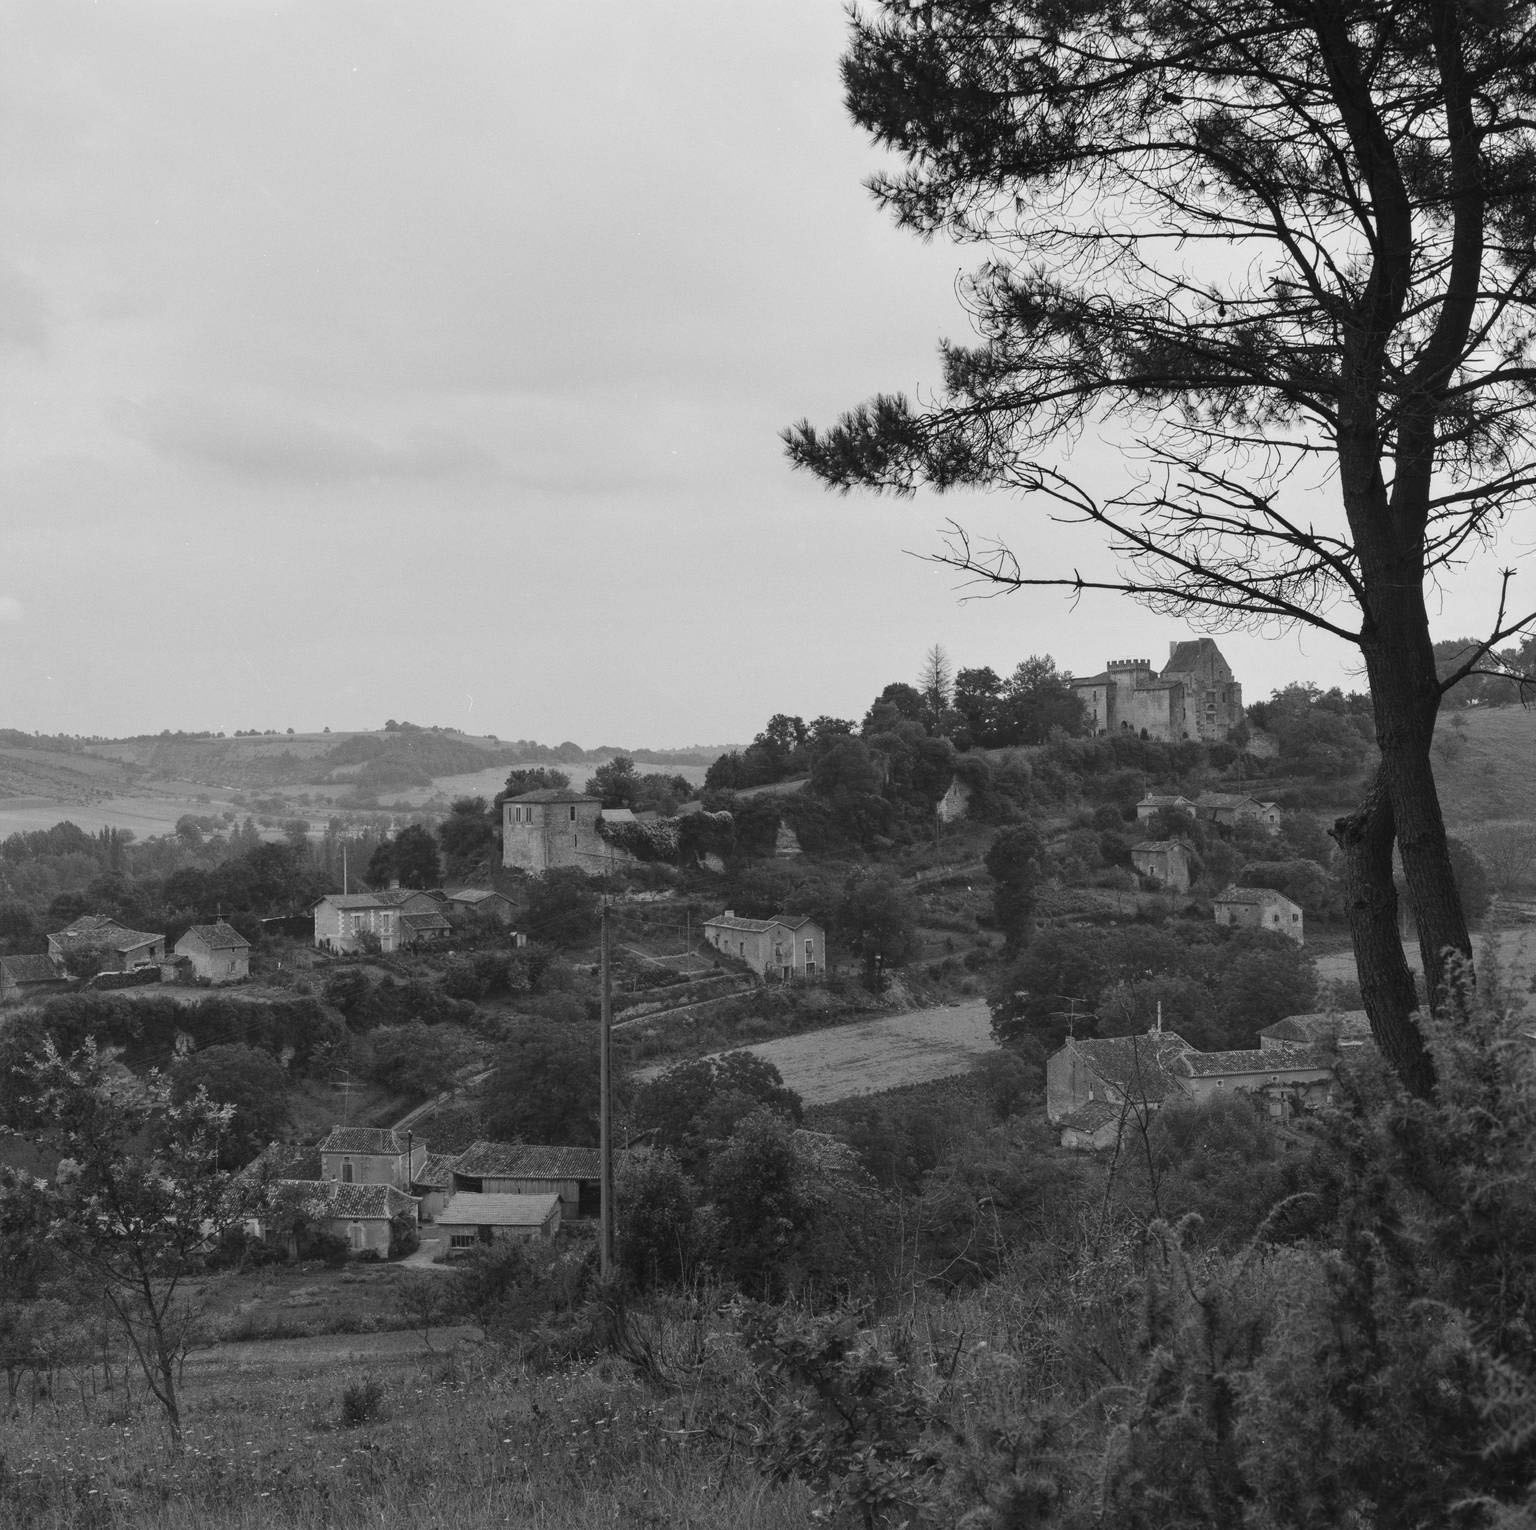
(1288, 251)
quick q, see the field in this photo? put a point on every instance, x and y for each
(1484, 765)
(387, 1430)
(870, 1056)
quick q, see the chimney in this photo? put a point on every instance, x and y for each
(394, 884)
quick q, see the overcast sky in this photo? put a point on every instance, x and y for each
(366, 359)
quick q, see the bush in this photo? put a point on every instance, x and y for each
(362, 1402)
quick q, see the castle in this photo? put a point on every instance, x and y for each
(1194, 695)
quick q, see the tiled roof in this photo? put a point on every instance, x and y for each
(1160, 845)
(436, 1172)
(474, 895)
(219, 937)
(365, 1139)
(1260, 895)
(1089, 1117)
(736, 922)
(332, 1198)
(793, 921)
(285, 1161)
(517, 1160)
(29, 969)
(1269, 1060)
(1137, 1064)
(553, 794)
(469, 1210)
(618, 815)
(95, 932)
(1184, 658)
(1102, 678)
(352, 900)
(1162, 800)
(1347, 1026)
(423, 922)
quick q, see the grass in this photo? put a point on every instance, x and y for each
(1487, 774)
(431, 1442)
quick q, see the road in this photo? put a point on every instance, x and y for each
(872, 1055)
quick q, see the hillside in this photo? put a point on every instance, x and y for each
(1483, 765)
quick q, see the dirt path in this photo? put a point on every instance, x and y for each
(821, 1066)
(269, 1355)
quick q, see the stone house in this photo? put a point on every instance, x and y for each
(118, 948)
(785, 947)
(1259, 908)
(1164, 861)
(1229, 808)
(471, 1220)
(1193, 696)
(1096, 1086)
(432, 1183)
(482, 900)
(1151, 804)
(340, 918)
(362, 1214)
(1345, 1031)
(26, 977)
(553, 827)
(371, 1155)
(218, 952)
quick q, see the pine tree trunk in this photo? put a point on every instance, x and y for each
(1365, 840)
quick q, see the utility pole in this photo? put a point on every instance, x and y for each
(605, 1112)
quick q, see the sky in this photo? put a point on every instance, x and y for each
(366, 359)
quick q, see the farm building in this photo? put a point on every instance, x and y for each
(24, 977)
(115, 947)
(361, 1214)
(482, 900)
(219, 953)
(470, 1219)
(573, 1174)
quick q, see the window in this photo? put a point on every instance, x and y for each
(573, 812)
(346, 1171)
(462, 1240)
(810, 950)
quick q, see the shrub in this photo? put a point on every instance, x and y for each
(362, 1402)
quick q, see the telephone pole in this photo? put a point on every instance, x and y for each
(605, 1110)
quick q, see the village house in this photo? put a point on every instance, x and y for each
(218, 952)
(1164, 861)
(554, 826)
(785, 947)
(1193, 696)
(1230, 808)
(371, 1155)
(361, 1214)
(27, 977)
(432, 1184)
(1259, 908)
(115, 947)
(1347, 1031)
(1096, 1086)
(1152, 803)
(341, 918)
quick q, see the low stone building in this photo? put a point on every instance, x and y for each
(784, 947)
(574, 1174)
(218, 952)
(481, 900)
(471, 1220)
(1259, 908)
(28, 977)
(362, 1214)
(1230, 808)
(1164, 861)
(114, 946)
